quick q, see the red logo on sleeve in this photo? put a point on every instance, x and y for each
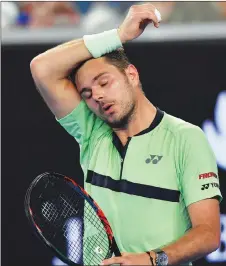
(207, 175)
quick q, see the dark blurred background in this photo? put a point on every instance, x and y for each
(182, 67)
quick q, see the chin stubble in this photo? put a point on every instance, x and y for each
(123, 121)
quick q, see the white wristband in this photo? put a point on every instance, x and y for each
(102, 43)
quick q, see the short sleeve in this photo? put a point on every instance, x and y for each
(198, 168)
(85, 127)
(82, 124)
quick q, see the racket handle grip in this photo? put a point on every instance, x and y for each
(115, 248)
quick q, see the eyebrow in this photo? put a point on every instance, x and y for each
(94, 79)
(101, 74)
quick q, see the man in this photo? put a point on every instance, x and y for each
(154, 175)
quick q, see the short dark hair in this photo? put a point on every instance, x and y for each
(118, 58)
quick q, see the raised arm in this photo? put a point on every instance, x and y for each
(50, 70)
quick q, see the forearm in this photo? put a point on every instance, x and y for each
(60, 60)
(196, 243)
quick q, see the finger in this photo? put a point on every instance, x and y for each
(151, 9)
(146, 16)
(154, 18)
(113, 260)
(158, 15)
(144, 23)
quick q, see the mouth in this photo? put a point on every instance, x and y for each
(107, 108)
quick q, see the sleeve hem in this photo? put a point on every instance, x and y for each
(214, 195)
(73, 113)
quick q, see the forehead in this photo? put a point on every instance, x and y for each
(91, 69)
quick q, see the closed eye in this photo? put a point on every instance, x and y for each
(104, 84)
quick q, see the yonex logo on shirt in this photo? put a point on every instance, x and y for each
(154, 159)
(206, 186)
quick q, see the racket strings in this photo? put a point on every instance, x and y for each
(71, 220)
(98, 254)
(95, 242)
(66, 209)
(49, 211)
(57, 210)
(96, 246)
(94, 258)
(60, 224)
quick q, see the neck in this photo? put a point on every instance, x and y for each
(141, 119)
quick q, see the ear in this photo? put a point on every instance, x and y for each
(132, 75)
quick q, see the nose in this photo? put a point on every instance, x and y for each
(97, 93)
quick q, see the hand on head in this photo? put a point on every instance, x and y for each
(138, 17)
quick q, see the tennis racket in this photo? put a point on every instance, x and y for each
(66, 218)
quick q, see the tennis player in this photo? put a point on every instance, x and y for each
(154, 175)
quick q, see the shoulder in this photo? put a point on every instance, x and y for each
(182, 129)
(185, 136)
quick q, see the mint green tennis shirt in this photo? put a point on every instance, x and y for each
(144, 188)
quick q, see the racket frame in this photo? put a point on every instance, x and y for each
(38, 232)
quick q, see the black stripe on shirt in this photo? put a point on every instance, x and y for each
(131, 188)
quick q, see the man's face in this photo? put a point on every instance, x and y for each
(107, 92)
